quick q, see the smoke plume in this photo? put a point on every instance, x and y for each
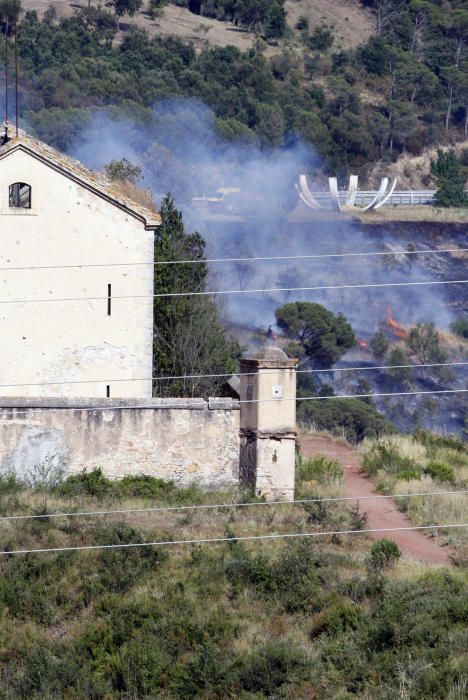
(179, 151)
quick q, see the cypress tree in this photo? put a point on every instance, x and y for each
(450, 183)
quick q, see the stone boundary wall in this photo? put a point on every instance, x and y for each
(180, 440)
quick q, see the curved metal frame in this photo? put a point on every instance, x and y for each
(333, 184)
(380, 194)
(381, 197)
(352, 192)
(305, 194)
(388, 195)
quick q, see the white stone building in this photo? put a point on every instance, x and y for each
(54, 215)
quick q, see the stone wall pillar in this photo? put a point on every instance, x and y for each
(268, 424)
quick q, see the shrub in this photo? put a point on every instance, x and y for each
(302, 23)
(299, 576)
(292, 579)
(92, 483)
(250, 571)
(409, 474)
(266, 670)
(433, 441)
(46, 474)
(9, 483)
(322, 469)
(31, 587)
(118, 569)
(379, 344)
(384, 554)
(460, 326)
(340, 617)
(384, 455)
(441, 472)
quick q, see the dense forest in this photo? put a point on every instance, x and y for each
(404, 89)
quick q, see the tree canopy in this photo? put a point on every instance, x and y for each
(446, 171)
(323, 336)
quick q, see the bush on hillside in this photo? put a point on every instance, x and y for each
(94, 483)
(434, 441)
(441, 472)
(340, 617)
(321, 469)
(384, 554)
(383, 455)
(353, 418)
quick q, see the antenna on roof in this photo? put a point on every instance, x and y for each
(15, 20)
(6, 66)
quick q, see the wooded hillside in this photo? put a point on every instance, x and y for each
(403, 89)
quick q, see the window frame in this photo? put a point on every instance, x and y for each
(14, 194)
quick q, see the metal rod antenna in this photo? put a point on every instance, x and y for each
(6, 67)
(16, 68)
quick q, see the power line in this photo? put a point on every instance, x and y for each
(238, 291)
(274, 258)
(79, 407)
(243, 374)
(243, 538)
(211, 506)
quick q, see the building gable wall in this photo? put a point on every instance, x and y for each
(51, 341)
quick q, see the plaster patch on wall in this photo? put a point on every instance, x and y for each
(40, 453)
(70, 362)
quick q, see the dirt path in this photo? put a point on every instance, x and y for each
(381, 513)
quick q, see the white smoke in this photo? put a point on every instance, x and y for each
(178, 150)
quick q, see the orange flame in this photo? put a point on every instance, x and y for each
(393, 327)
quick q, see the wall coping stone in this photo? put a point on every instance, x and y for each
(225, 404)
(110, 404)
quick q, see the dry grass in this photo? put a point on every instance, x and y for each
(427, 510)
(136, 194)
(410, 214)
(174, 21)
(352, 23)
(339, 437)
(413, 172)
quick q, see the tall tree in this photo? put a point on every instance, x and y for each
(189, 336)
(126, 7)
(447, 173)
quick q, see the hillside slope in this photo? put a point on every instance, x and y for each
(352, 22)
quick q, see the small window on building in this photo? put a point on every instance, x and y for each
(20, 196)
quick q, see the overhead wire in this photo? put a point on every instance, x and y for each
(273, 258)
(371, 285)
(241, 538)
(219, 506)
(230, 374)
